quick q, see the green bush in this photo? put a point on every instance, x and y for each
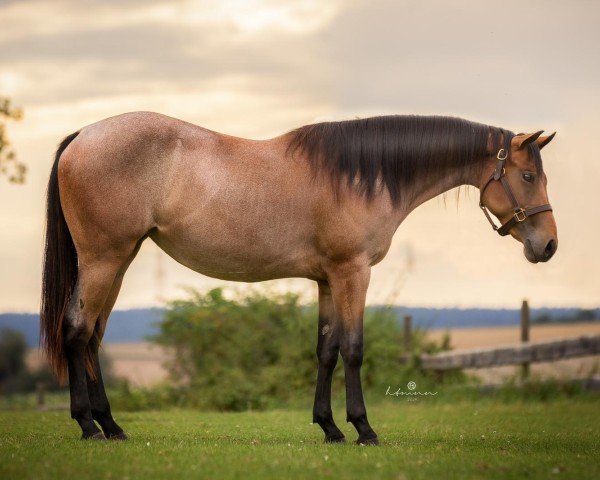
(15, 376)
(259, 351)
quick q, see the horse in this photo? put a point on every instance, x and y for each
(320, 202)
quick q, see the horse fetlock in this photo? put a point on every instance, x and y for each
(108, 424)
(357, 417)
(88, 428)
(323, 417)
(103, 415)
(81, 412)
(325, 420)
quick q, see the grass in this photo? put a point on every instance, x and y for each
(428, 440)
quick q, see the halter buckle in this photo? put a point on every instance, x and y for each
(502, 154)
(520, 215)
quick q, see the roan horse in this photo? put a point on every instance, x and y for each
(321, 202)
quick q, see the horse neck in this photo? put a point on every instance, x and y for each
(430, 186)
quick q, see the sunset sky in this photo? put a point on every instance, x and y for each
(257, 68)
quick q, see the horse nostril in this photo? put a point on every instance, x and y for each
(550, 249)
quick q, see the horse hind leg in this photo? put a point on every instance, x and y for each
(94, 282)
(100, 407)
(99, 403)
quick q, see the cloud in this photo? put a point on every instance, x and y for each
(497, 61)
(257, 68)
(160, 47)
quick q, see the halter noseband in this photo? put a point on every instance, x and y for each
(520, 214)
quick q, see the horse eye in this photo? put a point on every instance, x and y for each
(528, 177)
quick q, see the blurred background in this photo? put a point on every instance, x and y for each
(258, 68)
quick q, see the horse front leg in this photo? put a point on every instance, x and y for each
(349, 284)
(328, 348)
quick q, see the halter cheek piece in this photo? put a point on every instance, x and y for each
(520, 214)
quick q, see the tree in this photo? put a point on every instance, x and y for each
(10, 166)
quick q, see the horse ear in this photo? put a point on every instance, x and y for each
(543, 141)
(525, 139)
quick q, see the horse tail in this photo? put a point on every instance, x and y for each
(59, 273)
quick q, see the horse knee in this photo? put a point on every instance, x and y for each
(322, 414)
(352, 353)
(101, 411)
(328, 355)
(79, 408)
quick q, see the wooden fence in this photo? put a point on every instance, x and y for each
(522, 354)
(519, 354)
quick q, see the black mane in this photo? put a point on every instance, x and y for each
(395, 150)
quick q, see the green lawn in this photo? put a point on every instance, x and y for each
(425, 440)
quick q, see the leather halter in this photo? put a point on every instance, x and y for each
(520, 214)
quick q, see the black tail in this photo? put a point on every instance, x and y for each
(59, 273)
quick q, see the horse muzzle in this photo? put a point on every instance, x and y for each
(540, 251)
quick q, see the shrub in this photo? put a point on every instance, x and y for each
(15, 376)
(258, 351)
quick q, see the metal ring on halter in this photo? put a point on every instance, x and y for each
(520, 214)
(502, 152)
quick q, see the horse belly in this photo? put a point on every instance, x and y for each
(237, 254)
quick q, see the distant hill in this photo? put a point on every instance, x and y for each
(137, 324)
(443, 318)
(124, 325)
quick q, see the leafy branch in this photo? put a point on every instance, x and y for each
(10, 165)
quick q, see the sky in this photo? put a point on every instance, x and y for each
(258, 68)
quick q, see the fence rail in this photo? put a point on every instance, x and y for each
(522, 354)
(518, 354)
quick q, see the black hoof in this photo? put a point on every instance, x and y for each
(118, 436)
(337, 439)
(368, 441)
(94, 436)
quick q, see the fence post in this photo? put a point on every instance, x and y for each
(40, 397)
(407, 333)
(524, 335)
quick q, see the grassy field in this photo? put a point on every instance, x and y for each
(558, 439)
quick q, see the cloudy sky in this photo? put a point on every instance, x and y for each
(257, 68)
